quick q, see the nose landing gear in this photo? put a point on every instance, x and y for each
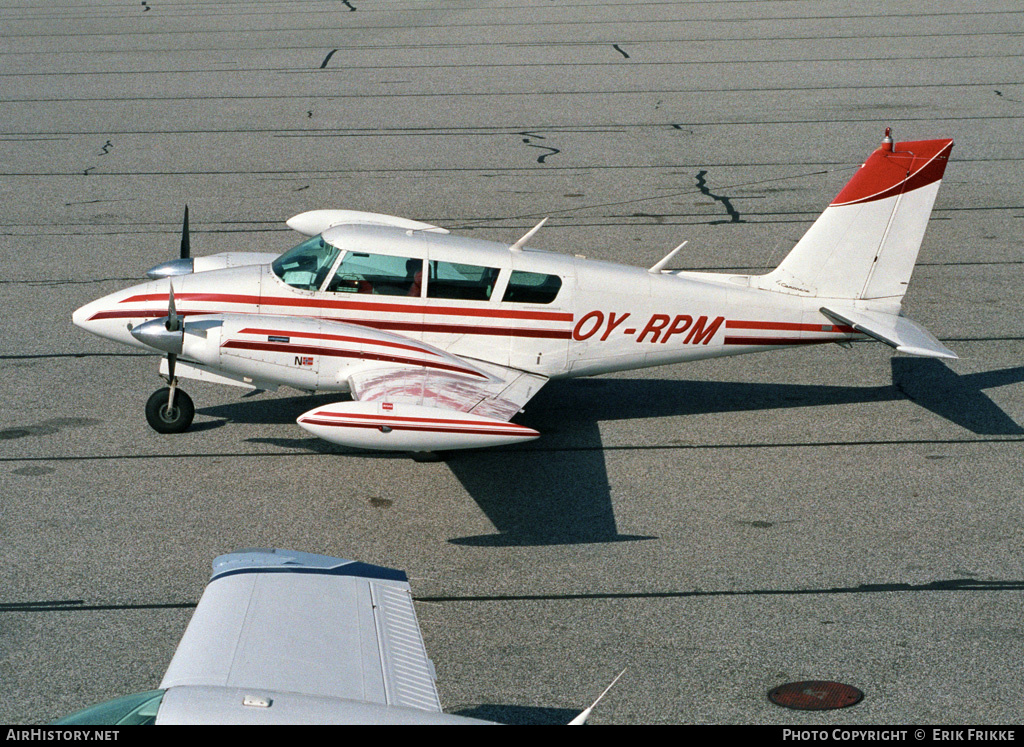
(170, 410)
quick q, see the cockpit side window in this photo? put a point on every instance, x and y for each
(380, 274)
(306, 266)
(532, 287)
(466, 282)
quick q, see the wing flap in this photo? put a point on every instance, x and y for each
(500, 397)
(309, 624)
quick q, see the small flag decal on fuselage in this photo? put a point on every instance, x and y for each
(303, 360)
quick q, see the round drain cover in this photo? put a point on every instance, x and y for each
(815, 695)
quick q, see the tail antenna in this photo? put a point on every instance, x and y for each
(887, 140)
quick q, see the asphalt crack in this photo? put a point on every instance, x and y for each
(542, 158)
(324, 64)
(734, 215)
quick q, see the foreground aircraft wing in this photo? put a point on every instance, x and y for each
(272, 621)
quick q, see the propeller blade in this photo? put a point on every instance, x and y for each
(186, 248)
(171, 360)
(173, 320)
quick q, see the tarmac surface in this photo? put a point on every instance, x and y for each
(716, 529)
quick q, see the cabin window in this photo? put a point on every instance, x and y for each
(379, 274)
(306, 266)
(466, 282)
(532, 287)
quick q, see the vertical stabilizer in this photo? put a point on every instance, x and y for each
(865, 244)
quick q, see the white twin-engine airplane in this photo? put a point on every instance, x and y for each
(441, 340)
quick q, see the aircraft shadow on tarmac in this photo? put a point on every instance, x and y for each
(927, 382)
(519, 715)
(561, 494)
(891, 587)
(959, 399)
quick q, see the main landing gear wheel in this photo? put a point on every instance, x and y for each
(176, 419)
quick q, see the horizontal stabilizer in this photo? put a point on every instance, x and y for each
(892, 329)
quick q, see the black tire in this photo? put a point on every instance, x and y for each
(178, 419)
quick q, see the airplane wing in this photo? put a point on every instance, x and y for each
(408, 395)
(428, 409)
(291, 622)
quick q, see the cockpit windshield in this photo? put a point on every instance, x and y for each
(132, 710)
(306, 266)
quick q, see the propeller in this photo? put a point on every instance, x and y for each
(186, 248)
(173, 323)
(181, 266)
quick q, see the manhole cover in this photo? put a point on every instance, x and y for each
(815, 695)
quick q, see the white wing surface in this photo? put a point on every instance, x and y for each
(308, 624)
(500, 397)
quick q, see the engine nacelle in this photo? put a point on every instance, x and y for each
(314, 222)
(189, 265)
(392, 426)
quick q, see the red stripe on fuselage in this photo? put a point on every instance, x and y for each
(463, 329)
(274, 347)
(147, 314)
(788, 326)
(394, 308)
(778, 340)
(338, 338)
(455, 329)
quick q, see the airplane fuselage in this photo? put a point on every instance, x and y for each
(592, 317)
